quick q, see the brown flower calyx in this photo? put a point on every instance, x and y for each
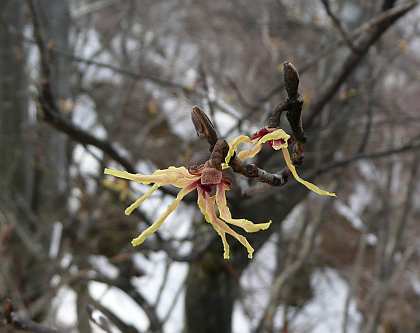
(210, 175)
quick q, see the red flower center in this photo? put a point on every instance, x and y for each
(259, 134)
(276, 142)
(263, 131)
(210, 188)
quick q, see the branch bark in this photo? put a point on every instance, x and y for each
(375, 29)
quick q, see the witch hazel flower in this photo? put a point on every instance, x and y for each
(278, 139)
(211, 185)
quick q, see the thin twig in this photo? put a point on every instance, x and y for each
(11, 319)
(377, 27)
(337, 23)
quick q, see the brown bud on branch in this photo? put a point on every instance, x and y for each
(203, 126)
(294, 116)
(291, 79)
(294, 101)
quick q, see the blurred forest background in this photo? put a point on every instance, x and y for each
(88, 84)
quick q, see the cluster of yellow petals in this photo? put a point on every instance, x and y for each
(187, 182)
(179, 177)
(207, 205)
(279, 140)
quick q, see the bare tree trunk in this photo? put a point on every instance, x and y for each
(213, 283)
(211, 292)
(14, 180)
(53, 166)
(13, 102)
(52, 157)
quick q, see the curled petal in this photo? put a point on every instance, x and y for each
(222, 228)
(140, 200)
(226, 215)
(234, 144)
(278, 137)
(250, 153)
(222, 234)
(156, 225)
(244, 154)
(277, 134)
(179, 177)
(211, 218)
(309, 185)
(201, 202)
(226, 247)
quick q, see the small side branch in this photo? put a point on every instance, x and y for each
(252, 171)
(337, 23)
(372, 31)
(293, 108)
(9, 318)
(292, 105)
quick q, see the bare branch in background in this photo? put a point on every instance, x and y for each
(338, 24)
(374, 30)
(134, 70)
(11, 319)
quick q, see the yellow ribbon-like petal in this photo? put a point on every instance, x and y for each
(140, 200)
(209, 201)
(280, 134)
(275, 135)
(222, 228)
(179, 177)
(201, 203)
(279, 138)
(120, 174)
(234, 144)
(309, 185)
(226, 215)
(252, 152)
(156, 225)
(244, 154)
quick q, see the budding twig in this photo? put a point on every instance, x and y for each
(293, 104)
(219, 147)
(203, 126)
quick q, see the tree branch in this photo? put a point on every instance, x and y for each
(374, 30)
(52, 115)
(125, 285)
(339, 26)
(11, 319)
